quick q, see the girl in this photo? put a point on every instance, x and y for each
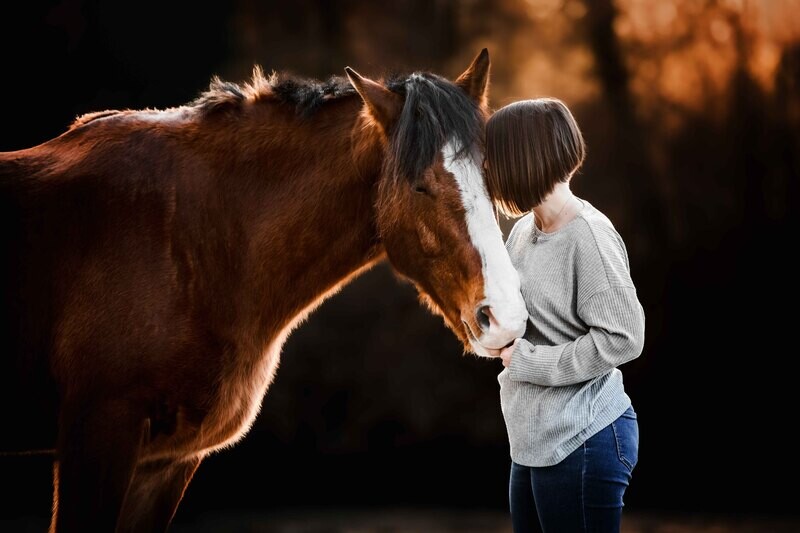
(572, 430)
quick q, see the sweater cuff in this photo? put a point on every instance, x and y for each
(524, 365)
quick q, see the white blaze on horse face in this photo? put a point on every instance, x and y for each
(501, 282)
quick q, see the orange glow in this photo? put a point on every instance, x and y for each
(682, 54)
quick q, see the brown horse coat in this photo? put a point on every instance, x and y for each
(157, 260)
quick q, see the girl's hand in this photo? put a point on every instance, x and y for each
(505, 353)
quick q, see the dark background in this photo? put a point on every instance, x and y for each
(691, 113)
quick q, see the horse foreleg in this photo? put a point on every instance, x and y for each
(97, 454)
(155, 493)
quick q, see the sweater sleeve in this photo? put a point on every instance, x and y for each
(616, 335)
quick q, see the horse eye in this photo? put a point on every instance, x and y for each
(421, 189)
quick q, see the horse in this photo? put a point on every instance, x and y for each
(157, 260)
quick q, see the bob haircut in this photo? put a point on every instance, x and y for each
(531, 145)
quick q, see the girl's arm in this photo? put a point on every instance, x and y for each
(616, 335)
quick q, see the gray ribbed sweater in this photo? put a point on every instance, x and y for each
(563, 384)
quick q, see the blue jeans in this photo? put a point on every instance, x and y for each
(584, 491)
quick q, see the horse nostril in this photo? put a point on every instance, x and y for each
(482, 316)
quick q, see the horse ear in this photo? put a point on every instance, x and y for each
(383, 104)
(475, 80)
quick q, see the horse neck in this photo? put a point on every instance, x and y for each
(305, 207)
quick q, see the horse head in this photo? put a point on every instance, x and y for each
(433, 212)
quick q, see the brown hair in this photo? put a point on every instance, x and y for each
(531, 145)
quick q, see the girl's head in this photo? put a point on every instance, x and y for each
(531, 145)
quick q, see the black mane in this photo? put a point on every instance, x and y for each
(305, 94)
(308, 95)
(436, 111)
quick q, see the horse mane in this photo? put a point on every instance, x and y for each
(305, 94)
(436, 111)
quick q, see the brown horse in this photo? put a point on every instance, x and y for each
(157, 261)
